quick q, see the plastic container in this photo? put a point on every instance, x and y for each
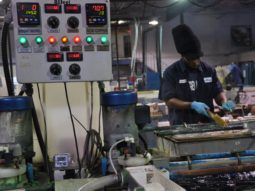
(16, 123)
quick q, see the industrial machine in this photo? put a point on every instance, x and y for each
(60, 41)
(195, 152)
(16, 143)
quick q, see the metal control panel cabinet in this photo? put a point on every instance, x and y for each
(62, 41)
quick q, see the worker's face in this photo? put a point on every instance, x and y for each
(193, 63)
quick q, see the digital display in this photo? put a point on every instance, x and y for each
(28, 14)
(71, 8)
(55, 57)
(96, 14)
(74, 56)
(52, 8)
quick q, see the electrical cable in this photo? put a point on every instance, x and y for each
(216, 2)
(93, 149)
(78, 121)
(74, 131)
(45, 124)
(110, 154)
(10, 52)
(9, 84)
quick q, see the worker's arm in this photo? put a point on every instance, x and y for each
(178, 104)
(199, 107)
(221, 98)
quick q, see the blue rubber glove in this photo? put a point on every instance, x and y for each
(229, 106)
(200, 108)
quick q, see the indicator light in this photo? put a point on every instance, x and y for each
(89, 39)
(22, 40)
(52, 40)
(104, 39)
(64, 39)
(77, 39)
(38, 40)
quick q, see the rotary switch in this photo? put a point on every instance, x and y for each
(55, 69)
(53, 22)
(74, 69)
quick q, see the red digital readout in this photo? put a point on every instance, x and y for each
(74, 56)
(53, 57)
(98, 8)
(72, 8)
(52, 8)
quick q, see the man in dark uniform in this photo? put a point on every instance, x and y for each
(189, 85)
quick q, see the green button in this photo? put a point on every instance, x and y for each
(38, 40)
(104, 39)
(89, 39)
(22, 40)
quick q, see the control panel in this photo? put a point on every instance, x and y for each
(62, 40)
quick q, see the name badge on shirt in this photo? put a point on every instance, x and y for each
(208, 79)
(182, 81)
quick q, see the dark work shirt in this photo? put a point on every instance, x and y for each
(187, 84)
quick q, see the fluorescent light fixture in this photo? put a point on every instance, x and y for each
(153, 22)
(1, 1)
(121, 22)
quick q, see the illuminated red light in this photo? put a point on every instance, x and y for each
(52, 40)
(77, 39)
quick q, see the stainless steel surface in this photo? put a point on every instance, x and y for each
(173, 148)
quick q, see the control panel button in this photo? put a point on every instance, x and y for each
(23, 41)
(73, 22)
(64, 39)
(55, 69)
(38, 40)
(53, 22)
(74, 69)
(77, 39)
(52, 40)
(104, 39)
(89, 39)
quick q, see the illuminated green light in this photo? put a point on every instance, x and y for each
(104, 39)
(22, 40)
(89, 39)
(38, 40)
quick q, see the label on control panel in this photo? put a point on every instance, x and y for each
(52, 8)
(74, 56)
(72, 8)
(55, 57)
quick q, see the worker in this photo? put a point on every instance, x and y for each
(189, 86)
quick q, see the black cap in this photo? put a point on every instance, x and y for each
(186, 42)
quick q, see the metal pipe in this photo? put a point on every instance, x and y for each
(211, 163)
(202, 172)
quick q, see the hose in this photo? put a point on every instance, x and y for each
(5, 60)
(100, 183)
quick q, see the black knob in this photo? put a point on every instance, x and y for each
(73, 22)
(55, 69)
(74, 69)
(53, 22)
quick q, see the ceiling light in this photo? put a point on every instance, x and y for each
(153, 22)
(121, 22)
